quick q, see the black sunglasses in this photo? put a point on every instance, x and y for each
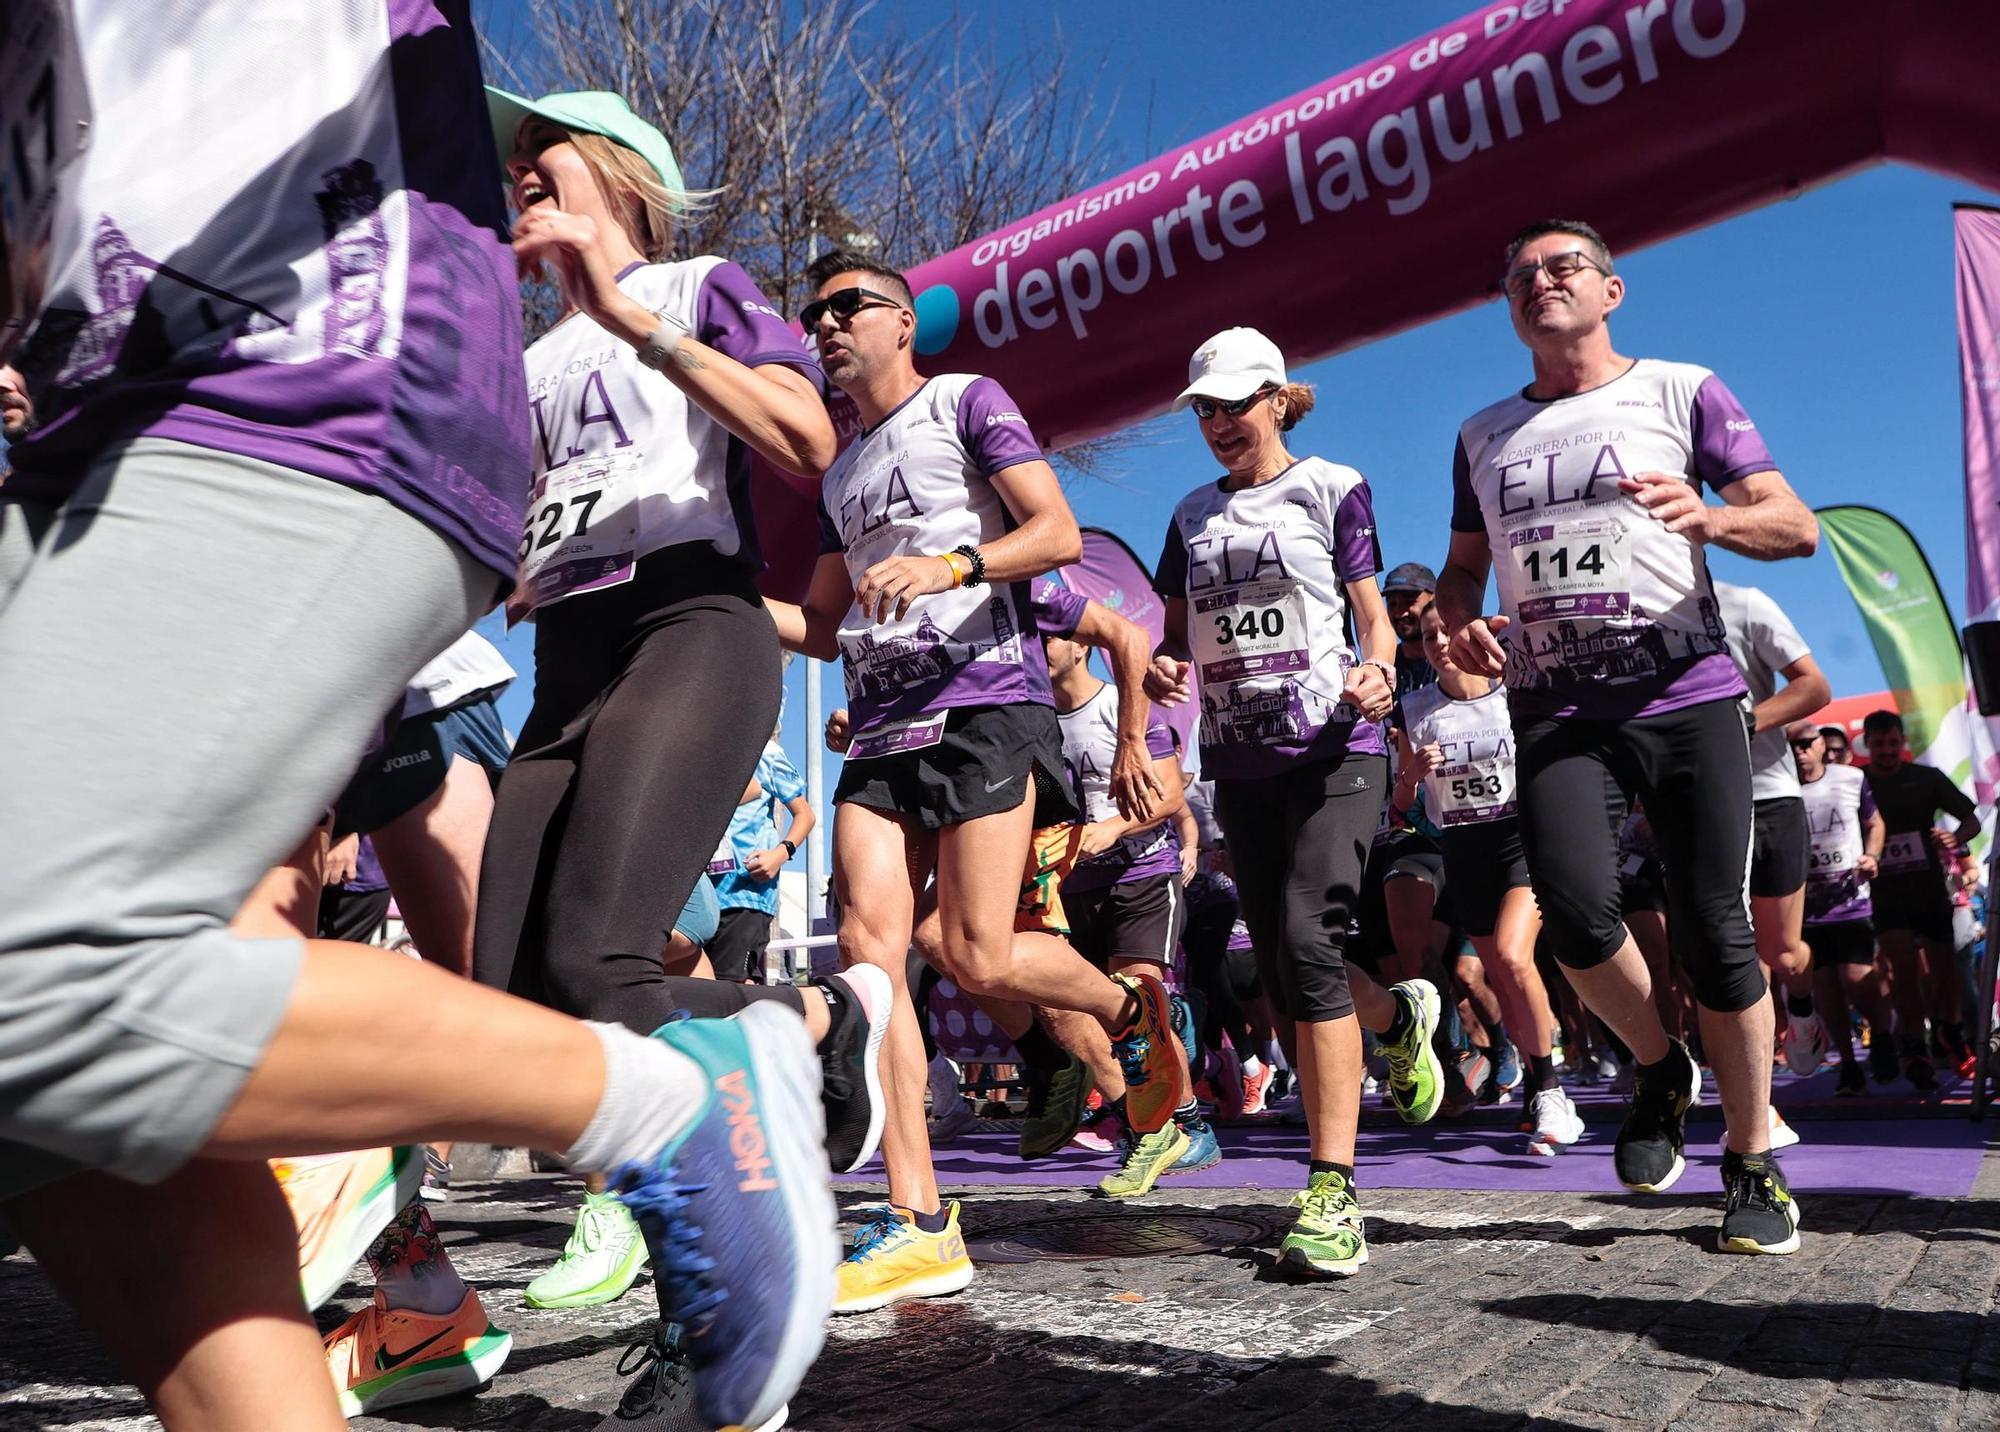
(843, 304)
(1206, 408)
(1804, 743)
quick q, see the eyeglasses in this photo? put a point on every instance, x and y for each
(1805, 743)
(1206, 408)
(843, 304)
(1560, 268)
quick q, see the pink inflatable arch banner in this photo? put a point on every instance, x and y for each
(1381, 198)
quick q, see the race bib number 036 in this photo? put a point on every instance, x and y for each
(1576, 567)
(44, 127)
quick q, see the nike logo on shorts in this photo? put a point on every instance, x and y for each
(992, 786)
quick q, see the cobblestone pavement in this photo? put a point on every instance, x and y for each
(1476, 1311)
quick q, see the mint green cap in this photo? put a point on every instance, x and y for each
(593, 112)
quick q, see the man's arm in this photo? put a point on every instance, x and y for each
(1761, 517)
(1475, 645)
(1804, 692)
(814, 627)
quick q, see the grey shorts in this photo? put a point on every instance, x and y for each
(194, 651)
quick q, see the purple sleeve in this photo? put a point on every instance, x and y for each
(1170, 577)
(1867, 803)
(992, 428)
(1465, 513)
(1160, 740)
(732, 316)
(1058, 610)
(1356, 553)
(829, 535)
(1726, 444)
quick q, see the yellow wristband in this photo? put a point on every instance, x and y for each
(960, 568)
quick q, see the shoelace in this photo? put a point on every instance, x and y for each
(659, 1354)
(1751, 1185)
(677, 1256)
(589, 1234)
(1319, 1199)
(870, 1237)
(1132, 1051)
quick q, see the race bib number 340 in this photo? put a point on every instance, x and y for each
(1256, 629)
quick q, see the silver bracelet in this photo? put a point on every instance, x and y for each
(658, 350)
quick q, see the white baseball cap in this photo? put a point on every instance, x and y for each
(1231, 366)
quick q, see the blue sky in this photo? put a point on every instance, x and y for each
(1830, 316)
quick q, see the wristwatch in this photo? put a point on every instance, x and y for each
(790, 849)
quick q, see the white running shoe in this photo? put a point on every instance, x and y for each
(1557, 1123)
(1805, 1044)
(1783, 1135)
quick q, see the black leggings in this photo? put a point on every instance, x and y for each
(1298, 842)
(1225, 978)
(1692, 769)
(653, 700)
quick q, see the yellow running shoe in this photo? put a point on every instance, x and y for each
(892, 1259)
(384, 1357)
(340, 1202)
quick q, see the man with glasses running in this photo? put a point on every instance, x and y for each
(1587, 486)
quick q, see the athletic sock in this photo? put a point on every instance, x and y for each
(1799, 1006)
(1252, 1067)
(1542, 1073)
(1346, 1171)
(1038, 1051)
(1188, 1115)
(651, 1093)
(411, 1267)
(932, 1222)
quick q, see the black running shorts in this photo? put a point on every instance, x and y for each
(979, 765)
(1482, 863)
(1135, 920)
(1779, 847)
(1842, 942)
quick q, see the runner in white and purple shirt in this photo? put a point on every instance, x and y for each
(1262, 572)
(1582, 495)
(1847, 834)
(934, 523)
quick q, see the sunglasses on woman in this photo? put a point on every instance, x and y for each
(1206, 408)
(843, 304)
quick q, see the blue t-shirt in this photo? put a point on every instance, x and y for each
(751, 829)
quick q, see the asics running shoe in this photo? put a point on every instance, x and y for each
(602, 1259)
(1147, 1156)
(1202, 1150)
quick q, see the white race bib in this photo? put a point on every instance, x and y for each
(44, 129)
(1480, 791)
(582, 529)
(1572, 567)
(1630, 864)
(1904, 853)
(1256, 629)
(1828, 864)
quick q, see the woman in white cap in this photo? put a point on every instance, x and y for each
(1261, 572)
(657, 668)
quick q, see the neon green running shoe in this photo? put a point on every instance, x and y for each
(1147, 1156)
(1056, 1103)
(1416, 1079)
(1328, 1238)
(603, 1257)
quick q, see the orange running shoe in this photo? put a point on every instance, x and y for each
(340, 1202)
(1156, 1081)
(384, 1357)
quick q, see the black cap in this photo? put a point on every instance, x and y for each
(1411, 577)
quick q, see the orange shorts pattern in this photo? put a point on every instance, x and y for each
(1051, 855)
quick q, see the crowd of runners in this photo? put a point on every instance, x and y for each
(275, 446)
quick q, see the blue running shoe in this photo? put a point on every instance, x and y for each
(1184, 1028)
(738, 1214)
(1508, 1072)
(1202, 1150)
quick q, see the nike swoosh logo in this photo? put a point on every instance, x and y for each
(995, 785)
(384, 1359)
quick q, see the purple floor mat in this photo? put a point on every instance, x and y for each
(1881, 1144)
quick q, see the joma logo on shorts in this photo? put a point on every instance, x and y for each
(746, 1135)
